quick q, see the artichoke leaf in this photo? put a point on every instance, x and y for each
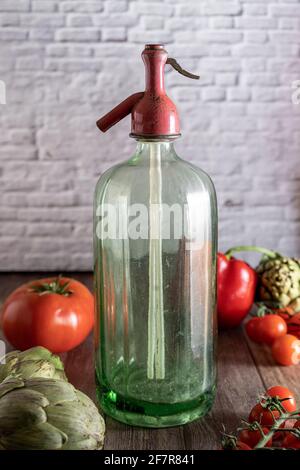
(5, 371)
(36, 353)
(32, 369)
(9, 384)
(20, 415)
(39, 353)
(35, 362)
(12, 356)
(91, 411)
(279, 280)
(42, 413)
(57, 391)
(90, 443)
(70, 418)
(39, 437)
(86, 401)
(76, 423)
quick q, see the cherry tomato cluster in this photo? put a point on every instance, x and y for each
(273, 422)
(274, 329)
(292, 320)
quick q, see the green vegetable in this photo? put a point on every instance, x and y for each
(279, 280)
(35, 362)
(47, 414)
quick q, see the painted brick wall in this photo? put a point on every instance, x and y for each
(67, 62)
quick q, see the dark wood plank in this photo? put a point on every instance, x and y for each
(79, 367)
(121, 436)
(238, 386)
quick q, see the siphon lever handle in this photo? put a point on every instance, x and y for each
(179, 69)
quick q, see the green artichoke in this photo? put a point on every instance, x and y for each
(35, 362)
(279, 280)
(47, 414)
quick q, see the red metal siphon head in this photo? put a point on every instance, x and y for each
(153, 114)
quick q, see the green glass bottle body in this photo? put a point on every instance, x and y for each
(155, 242)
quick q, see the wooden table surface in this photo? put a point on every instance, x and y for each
(245, 370)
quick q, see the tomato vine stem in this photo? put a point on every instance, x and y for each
(54, 286)
(283, 417)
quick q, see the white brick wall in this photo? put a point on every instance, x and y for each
(65, 63)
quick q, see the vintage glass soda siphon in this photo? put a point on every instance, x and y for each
(155, 238)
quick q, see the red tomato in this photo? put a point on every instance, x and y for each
(242, 446)
(283, 392)
(279, 435)
(57, 313)
(286, 350)
(292, 320)
(263, 416)
(270, 328)
(293, 325)
(253, 330)
(286, 313)
(291, 441)
(252, 437)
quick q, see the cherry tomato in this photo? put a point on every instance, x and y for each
(270, 328)
(292, 320)
(242, 446)
(252, 437)
(263, 416)
(253, 330)
(283, 392)
(291, 441)
(293, 325)
(286, 350)
(286, 313)
(57, 313)
(279, 435)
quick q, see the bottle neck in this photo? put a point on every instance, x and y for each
(146, 149)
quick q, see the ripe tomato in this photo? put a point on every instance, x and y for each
(293, 325)
(242, 446)
(291, 441)
(286, 313)
(283, 392)
(253, 329)
(286, 350)
(270, 328)
(252, 437)
(280, 434)
(57, 313)
(263, 416)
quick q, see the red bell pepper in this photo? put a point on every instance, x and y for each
(236, 289)
(236, 285)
